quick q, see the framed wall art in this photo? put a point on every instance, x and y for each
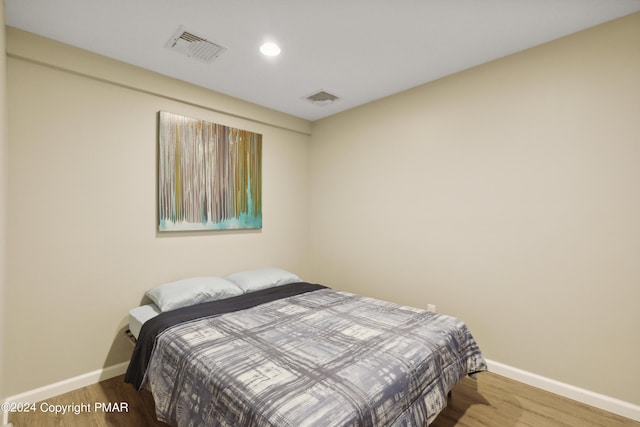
(209, 175)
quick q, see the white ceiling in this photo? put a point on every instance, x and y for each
(359, 50)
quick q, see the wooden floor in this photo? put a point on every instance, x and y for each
(492, 401)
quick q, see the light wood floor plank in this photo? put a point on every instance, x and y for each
(496, 401)
(491, 401)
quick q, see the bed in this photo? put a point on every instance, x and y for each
(282, 352)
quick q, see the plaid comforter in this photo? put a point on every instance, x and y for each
(322, 358)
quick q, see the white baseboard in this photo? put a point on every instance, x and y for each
(606, 403)
(61, 387)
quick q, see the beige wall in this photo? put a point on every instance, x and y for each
(3, 183)
(508, 195)
(82, 238)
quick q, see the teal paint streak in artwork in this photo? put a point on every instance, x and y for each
(246, 220)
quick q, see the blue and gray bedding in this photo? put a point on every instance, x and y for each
(302, 355)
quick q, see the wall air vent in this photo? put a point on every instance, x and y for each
(321, 98)
(194, 46)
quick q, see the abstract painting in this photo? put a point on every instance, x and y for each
(209, 175)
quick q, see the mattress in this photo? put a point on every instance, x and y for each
(139, 315)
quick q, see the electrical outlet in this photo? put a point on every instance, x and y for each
(431, 307)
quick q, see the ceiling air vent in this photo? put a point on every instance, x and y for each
(194, 46)
(321, 98)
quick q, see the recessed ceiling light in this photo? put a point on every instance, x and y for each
(270, 49)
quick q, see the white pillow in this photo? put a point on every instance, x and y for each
(196, 290)
(253, 280)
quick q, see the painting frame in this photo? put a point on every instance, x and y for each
(209, 176)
